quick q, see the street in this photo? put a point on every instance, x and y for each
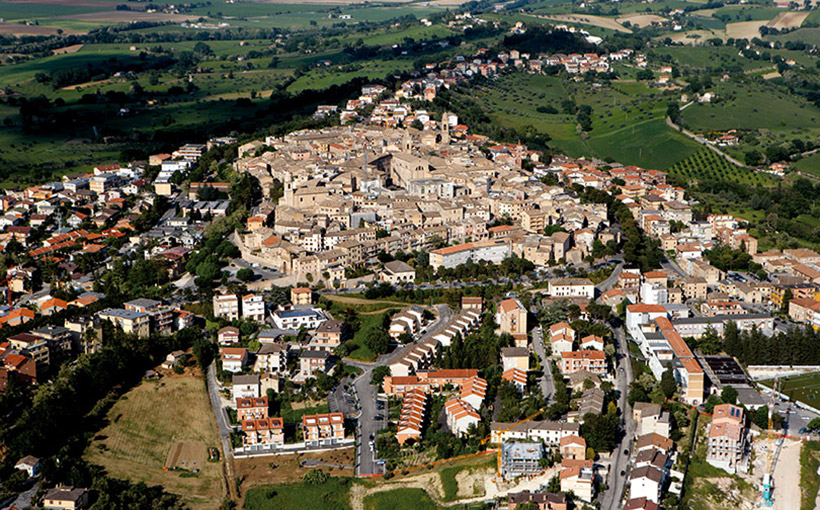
(366, 394)
(546, 382)
(611, 498)
(222, 425)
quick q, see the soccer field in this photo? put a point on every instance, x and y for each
(805, 388)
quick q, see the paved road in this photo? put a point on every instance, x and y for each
(671, 265)
(546, 382)
(366, 395)
(222, 425)
(611, 498)
(611, 281)
(704, 142)
(23, 499)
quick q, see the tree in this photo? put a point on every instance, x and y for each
(788, 295)
(668, 384)
(711, 402)
(813, 425)
(377, 340)
(245, 274)
(761, 417)
(753, 158)
(729, 395)
(315, 477)
(378, 375)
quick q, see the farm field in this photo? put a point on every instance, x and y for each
(706, 165)
(743, 106)
(627, 118)
(804, 387)
(150, 421)
(810, 164)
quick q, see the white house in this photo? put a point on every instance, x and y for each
(298, 318)
(646, 482)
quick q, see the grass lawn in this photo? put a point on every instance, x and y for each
(809, 479)
(368, 323)
(805, 388)
(143, 426)
(400, 499)
(332, 495)
(291, 415)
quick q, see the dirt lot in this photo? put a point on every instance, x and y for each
(788, 20)
(159, 422)
(277, 469)
(190, 455)
(21, 30)
(787, 477)
(588, 19)
(642, 20)
(744, 29)
(107, 17)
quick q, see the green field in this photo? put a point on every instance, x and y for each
(706, 165)
(810, 164)
(400, 499)
(805, 388)
(332, 495)
(627, 120)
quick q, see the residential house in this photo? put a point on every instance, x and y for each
(271, 358)
(228, 335)
(396, 272)
(65, 498)
(245, 386)
(512, 317)
(301, 296)
(313, 361)
(460, 416)
(234, 359)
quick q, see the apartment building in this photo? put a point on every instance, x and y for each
(262, 434)
(131, 322)
(571, 287)
(411, 417)
(253, 307)
(512, 317)
(590, 360)
(329, 335)
(451, 256)
(227, 306)
(548, 432)
(323, 429)
(520, 459)
(726, 446)
(271, 358)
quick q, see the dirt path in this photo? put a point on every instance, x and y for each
(359, 301)
(787, 476)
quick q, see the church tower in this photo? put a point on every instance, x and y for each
(445, 128)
